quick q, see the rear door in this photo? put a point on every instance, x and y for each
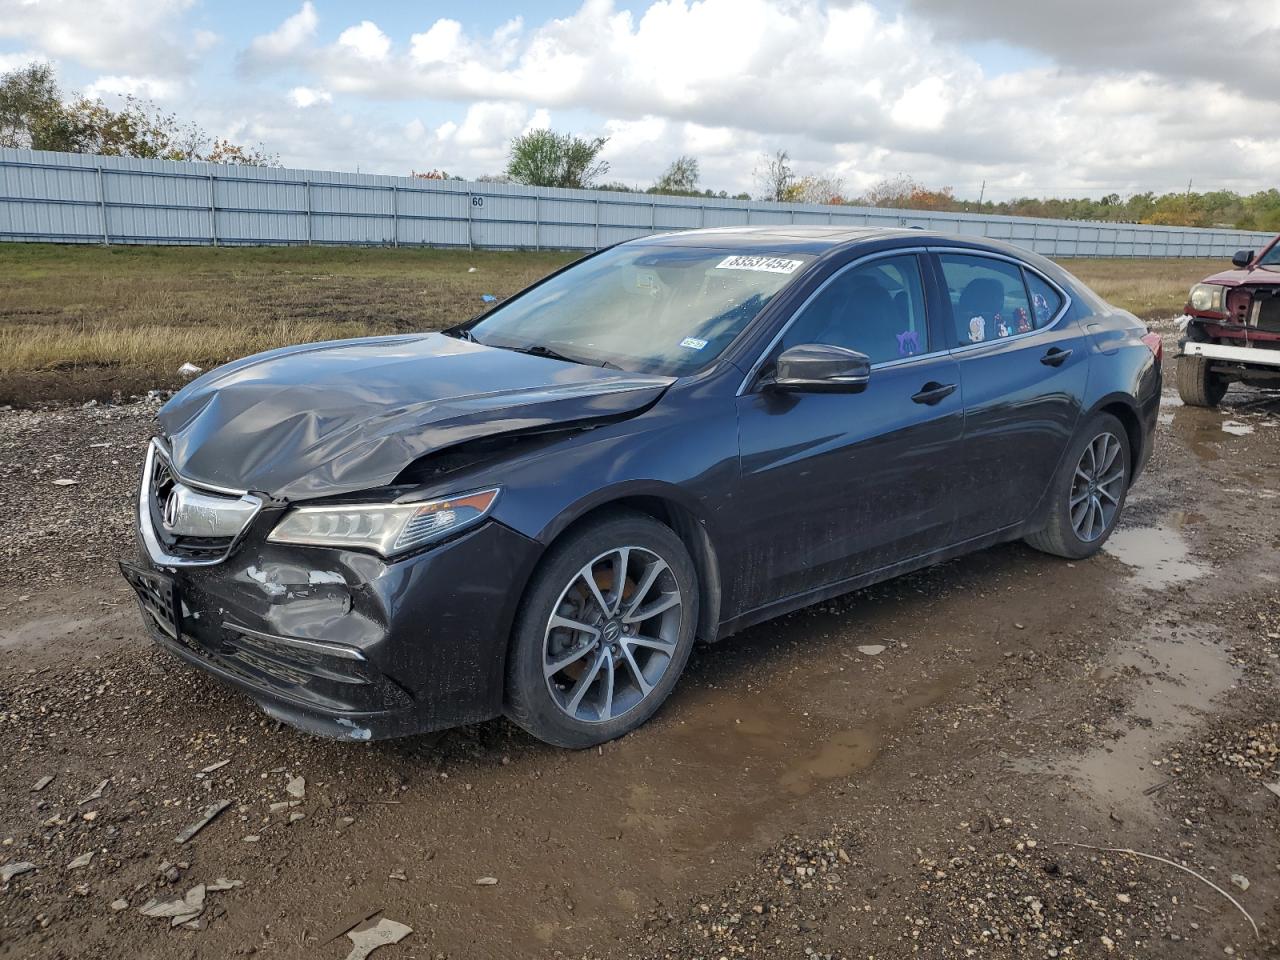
(1024, 366)
(838, 484)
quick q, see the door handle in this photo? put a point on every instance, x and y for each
(1055, 357)
(933, 392)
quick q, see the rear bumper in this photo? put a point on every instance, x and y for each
(345, 644)
(1251, 356)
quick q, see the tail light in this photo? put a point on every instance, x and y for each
(1156, 344)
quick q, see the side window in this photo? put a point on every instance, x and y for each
(876, 308)
(988, 297)
(1045, 301)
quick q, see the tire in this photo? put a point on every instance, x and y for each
(1069, 533)
(1197, 385)
(639, 659)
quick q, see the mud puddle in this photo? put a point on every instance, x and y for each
(1180, 673)
(1157, 557)
(763, 753)
(1211, 435)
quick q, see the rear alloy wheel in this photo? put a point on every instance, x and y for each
(1088, 493)
(1198, 386)
(604, 632)
(1097, 487)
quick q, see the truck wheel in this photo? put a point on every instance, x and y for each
(1197, 385)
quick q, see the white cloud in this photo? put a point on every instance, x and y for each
(1231, 43)
(441, 44)
(124, 85)
(540, 120)
(922, 106)
(1031, 97)
(134, 36)
(16, 61)
(366, 41)
(304, 97)
(204, 40)
(286, 40)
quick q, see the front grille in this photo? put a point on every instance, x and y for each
(161, 485)
(198, 548)
(1268, 312)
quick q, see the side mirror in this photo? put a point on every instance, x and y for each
(821, 368)
(1242, 258)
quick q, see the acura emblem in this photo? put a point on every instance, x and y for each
(171, 509)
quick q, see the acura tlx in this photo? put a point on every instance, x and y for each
(537, 512)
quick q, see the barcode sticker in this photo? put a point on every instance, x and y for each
(762, 264)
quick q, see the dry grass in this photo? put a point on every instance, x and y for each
(90, 321)
(1152, 289)
(63, 308)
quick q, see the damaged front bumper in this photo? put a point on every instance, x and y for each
(1250, 356)
(343, 643)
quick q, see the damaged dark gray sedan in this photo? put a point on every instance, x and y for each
(539, 511)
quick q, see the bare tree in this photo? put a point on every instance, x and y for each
(895, 191)
(774, 175)
(827, 188)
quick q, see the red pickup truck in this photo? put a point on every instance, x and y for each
(1233, 329)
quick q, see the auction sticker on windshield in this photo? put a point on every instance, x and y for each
(763, 264)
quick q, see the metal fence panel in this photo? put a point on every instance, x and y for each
(76, 198)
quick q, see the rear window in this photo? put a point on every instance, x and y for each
(988, 297)
(1045, 301)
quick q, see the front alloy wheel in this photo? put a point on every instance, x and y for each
(603, 632)
(612, 634)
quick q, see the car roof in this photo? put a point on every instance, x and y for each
(820, 240)
(796, 238)
(815, 239)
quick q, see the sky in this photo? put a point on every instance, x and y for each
(1029, 97)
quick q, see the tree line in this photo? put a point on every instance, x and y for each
(35, 114)
(545, 158)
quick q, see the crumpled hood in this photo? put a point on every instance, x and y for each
(1257, 277)
(329, 418)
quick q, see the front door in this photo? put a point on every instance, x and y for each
(839, 484)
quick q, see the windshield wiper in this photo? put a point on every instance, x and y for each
(542, 350)
(461, 333)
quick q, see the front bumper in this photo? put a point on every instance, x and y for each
(347, 644)
(1252, 356)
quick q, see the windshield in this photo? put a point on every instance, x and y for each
(651, 309)
(1271, 258)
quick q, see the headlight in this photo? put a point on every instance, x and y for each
(387, 528)
(1207, 297)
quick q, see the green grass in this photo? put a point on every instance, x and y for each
(79, 321)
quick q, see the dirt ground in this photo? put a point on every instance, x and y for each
(947, 796)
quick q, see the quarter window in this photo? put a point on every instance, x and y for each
(1045, 301)
(988, 298)
(876, 308)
